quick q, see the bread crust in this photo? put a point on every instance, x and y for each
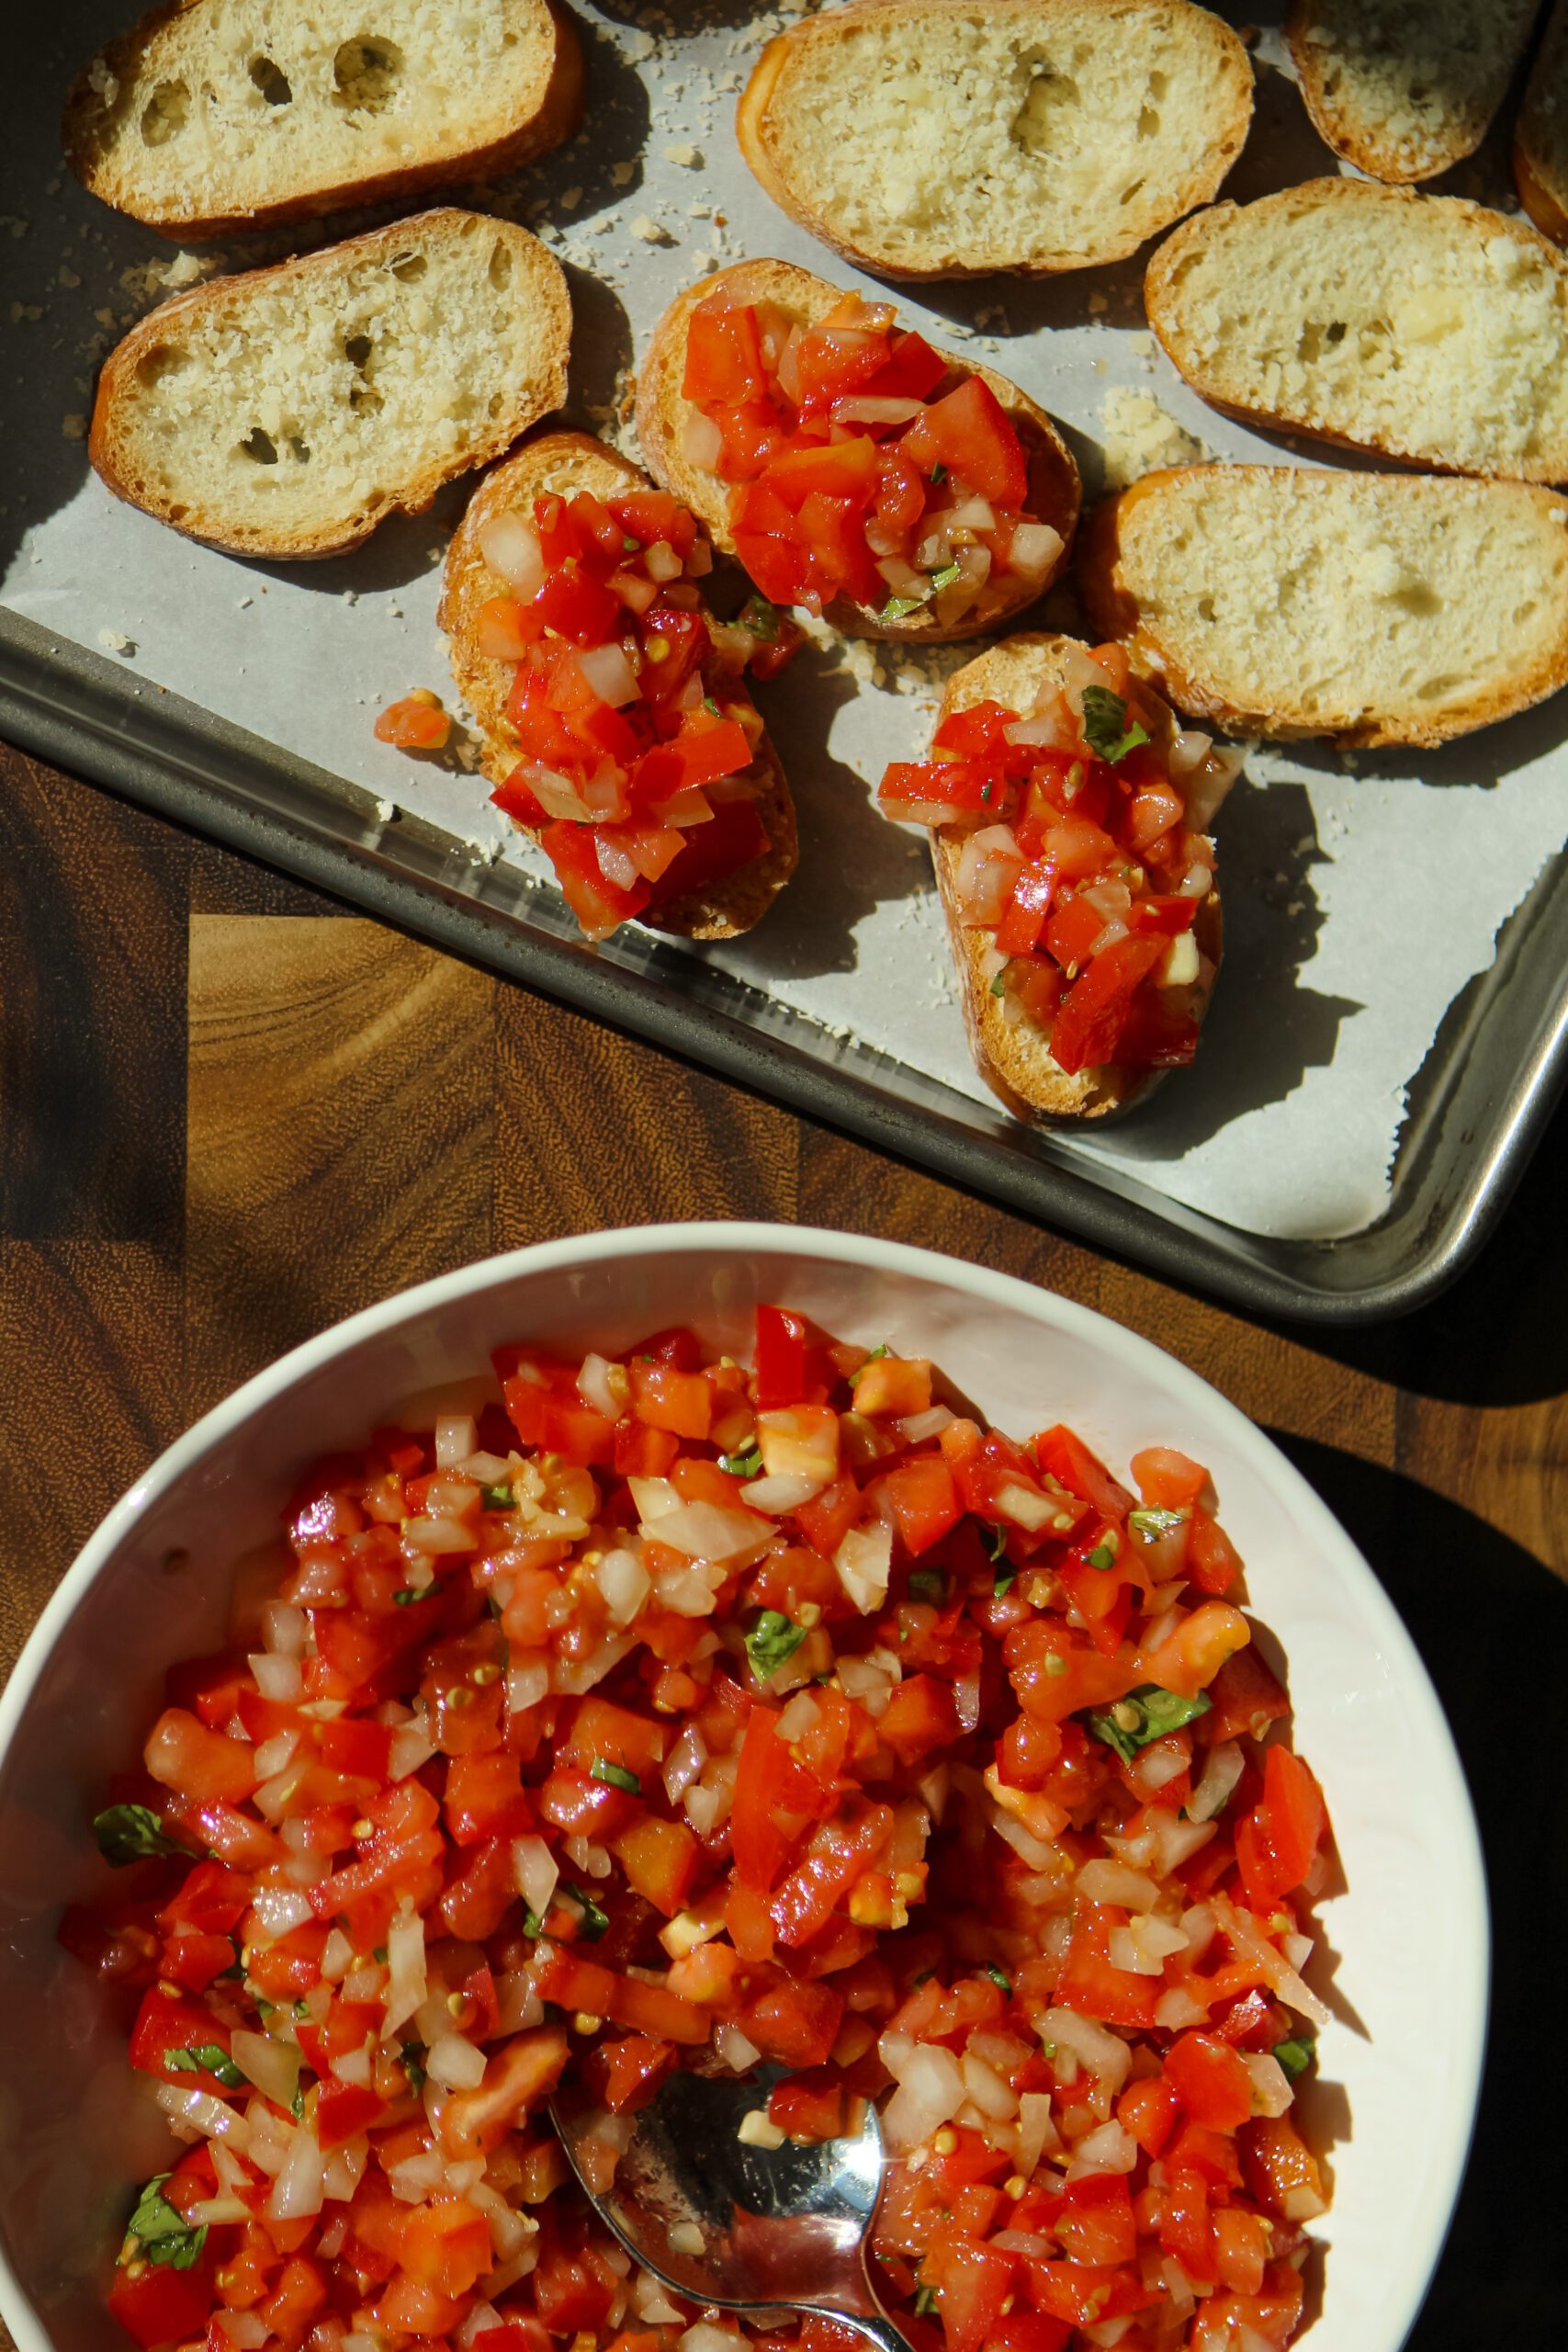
(1539, 159)
(565, 462)
(1114, 607)
(109, 433)
(551, 115)
(1055, 491)
(761, 144)
(1358, 137)
(1010, 1057)
(1162, 302)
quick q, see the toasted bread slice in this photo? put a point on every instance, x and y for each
(212, 116)
(662, 410)
(1405, 89)
(1424, 327)
(1372, 608)
(1012, 1056)
(1541, 135)
(564, 463)
(948, 138)
(285, 411)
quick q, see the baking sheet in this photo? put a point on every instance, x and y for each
(1361, 896)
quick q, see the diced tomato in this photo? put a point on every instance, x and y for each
(160, 2305)
(733, 839)
(1084, 1032)
(1089, 1984)
(724, 354)
(780, 1358)
(1210, 2080)
(484, 1799)
(599, 905)
(667, 1399)
(969, 433)
(1094, 2219)
(1276, 1843)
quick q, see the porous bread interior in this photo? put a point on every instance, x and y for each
(1543, 118)
(285, 402)
(233, 103)
(1321, 597)
(1411, 84)
(994, 133)
(1419, 325)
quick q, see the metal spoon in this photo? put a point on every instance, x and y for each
(782, 2229)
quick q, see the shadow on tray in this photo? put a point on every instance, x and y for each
(1475, 1604)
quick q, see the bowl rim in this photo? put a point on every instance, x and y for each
(1471, 1984)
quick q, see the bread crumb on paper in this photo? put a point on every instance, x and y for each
(113, 640)
(689, 158)
(652, 232)
(1141, 435)
(74, 427)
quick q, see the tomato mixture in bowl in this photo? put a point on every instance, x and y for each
(669, 1713)
(859, 469)
(1082, 853)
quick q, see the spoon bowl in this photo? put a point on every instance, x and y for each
(754, 2229)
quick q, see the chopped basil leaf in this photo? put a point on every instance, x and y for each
(379, 1955)
(210, 2055)
(162, 2232)
(296, 2104)
(945, 577)
(629, 545)
(498, 1498)
(877, 1353)
(938, 474)
(898, 608)
(1296, 2056)
(998, 985)
(407, 1597)
(1102, 1557)
(928, 1584)
(302, 2007)
(411, 2054)
(924, 1977)
(1047, 2051)
(772, 1642)
(129, 1833)
(999, 1542)
(1001, 1582)
(1157, 1523)
(1145, 1714)
(532, 1924)
(1105, 728)
(1055, 1663)
(925, 2302)
(492, 1606)
(615, 1776)
(595, 1923)
(997, 1977)
(743, 1466)
(761, 617)
(709, 704)
(264, 2009)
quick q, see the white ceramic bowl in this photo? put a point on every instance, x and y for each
(1404, 1955)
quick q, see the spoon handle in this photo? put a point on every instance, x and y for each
(880, 2330)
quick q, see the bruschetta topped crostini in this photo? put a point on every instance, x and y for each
(851, 467)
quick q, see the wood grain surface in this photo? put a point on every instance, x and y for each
(231, 1113)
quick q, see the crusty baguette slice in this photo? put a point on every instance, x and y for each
(1422, 326)
(1012, 1057)
(285, 411)
(1372, 608)
(946, 138)
(1405, 89)
(211, 116)
(662, 409)
(564, 463)
(1541, 135)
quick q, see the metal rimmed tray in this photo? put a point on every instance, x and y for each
(1500, 1067)
(1387, 1038)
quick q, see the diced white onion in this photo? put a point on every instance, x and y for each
(930, 2091)
(624, 1582)
(406, 1980)
(1271, 2092)
(1243, 1933)
(285, 1629)
(784, 1493)
(1026, 1507)
(299, 2189)
(595, 1388)
(437, 1535)
(511, 547)
(966, 1699)
(410, 1752)
(1105, 2054)
(1220, 1774)
(702, 443)
(1112, 2148)
(278, 1911)
(456, 1438)
(1104, 1881)
(277, 1676)
(211, 2117)
(244, 2329)
(606, 668)
(684, 1762)
(989, 2091)
(863, 1562)
(273, 2066)
(801, 1716)
(574, 1676)
(707, 1807)
(1036, 2132)
(1176, 2010)
(1207, 790)
(456, 2063)
(273, 1756)
(527, 1682)
(518, 2006)
(705, 2337)
(710, 1532)
(1035, 547)
(733, 2047)
(916, 1428)
(869, 408)
(534, 1873)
